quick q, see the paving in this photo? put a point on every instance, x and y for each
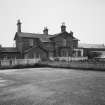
(52, 86)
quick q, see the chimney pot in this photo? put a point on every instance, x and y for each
(45, 31)
(63, 27)
(19, 25)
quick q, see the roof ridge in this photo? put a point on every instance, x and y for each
(35, 33)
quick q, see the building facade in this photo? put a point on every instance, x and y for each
(44, 46)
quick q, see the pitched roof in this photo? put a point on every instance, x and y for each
(41, 47)
(74, 38)
(42, 37)
(26, 51)
(84, 45)
(8, 49)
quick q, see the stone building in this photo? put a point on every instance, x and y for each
(92, 49)
(9, 53)
(45, 46)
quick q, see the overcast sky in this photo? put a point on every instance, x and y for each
(86, 18)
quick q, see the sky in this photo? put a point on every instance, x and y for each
(86, 18)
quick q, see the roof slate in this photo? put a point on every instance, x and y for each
(74, 38)
(82, 45)
(8, 49)
(42, 37)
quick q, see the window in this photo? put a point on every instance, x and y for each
(31, 42)
(37, 55)
(64, 42)
(79, 53)
(64, 53)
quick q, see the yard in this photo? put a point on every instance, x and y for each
(51, 86)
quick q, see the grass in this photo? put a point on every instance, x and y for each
(52, 86)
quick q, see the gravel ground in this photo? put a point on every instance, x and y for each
(51, 86)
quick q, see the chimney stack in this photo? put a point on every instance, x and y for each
(45, 31)
(71, 33)
(19, 25)
(63, 27)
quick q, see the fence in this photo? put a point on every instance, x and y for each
(72, 58)
(14, 62)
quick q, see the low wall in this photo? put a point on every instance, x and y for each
(22, 63)
(77, 65)
(14, 62)
(71, 58)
